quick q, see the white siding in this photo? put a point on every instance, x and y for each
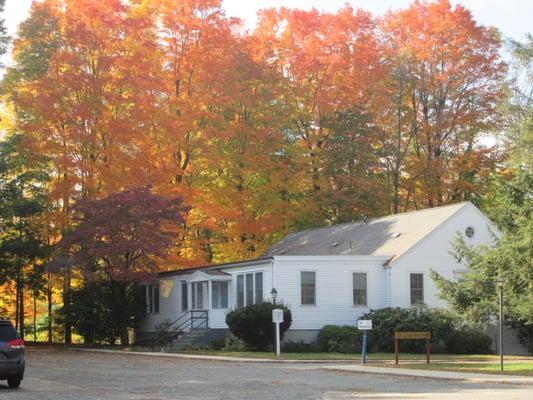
(435, 252)
(334, 288)
(217, 318)
(168, 307)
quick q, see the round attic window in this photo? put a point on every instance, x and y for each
(469, 232)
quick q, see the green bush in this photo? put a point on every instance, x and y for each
(468, 340)
(339, 339)
(300, 347)
(253, 324)
(233, 343)
(388, 320)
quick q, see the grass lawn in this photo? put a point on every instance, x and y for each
(377, 357)
(510, 368)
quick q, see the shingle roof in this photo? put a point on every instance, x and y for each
(386, 236)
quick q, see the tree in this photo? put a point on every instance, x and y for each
(22, 204)
(329, 66)
(4, 37)
(448, 75)
(96, 315)
(475, 295)
(121, 240)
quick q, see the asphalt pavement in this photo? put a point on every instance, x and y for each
(74, 375)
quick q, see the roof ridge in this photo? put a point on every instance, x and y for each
(463, 203)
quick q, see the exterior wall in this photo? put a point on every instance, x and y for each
(217, 318)
(386, 286)
(334, 289)
(435, 253)
(168, 309)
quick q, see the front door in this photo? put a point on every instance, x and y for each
(200, 295)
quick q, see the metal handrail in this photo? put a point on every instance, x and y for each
(189, 323)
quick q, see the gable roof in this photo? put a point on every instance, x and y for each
(391, 236)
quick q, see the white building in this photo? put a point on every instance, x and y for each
(329, 275)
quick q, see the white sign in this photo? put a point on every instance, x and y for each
(364, 324)
(277, 316)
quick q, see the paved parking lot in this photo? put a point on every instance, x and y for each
(72, 375)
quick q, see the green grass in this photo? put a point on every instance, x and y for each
(378, 357)
(510, 368)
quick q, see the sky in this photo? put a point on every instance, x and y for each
(512, 17)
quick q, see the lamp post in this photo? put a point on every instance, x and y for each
(500, 282)
(274, 294)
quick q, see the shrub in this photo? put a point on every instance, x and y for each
(340, 339)
(387, 320)
(467, 340)
(300, 347)
(233, 343)
(253, 324)
(217, 343)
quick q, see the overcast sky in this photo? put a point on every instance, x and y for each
(512, 17)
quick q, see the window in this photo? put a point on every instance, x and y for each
(184, 297)
(219, 294)
(249, 289)
(240, 290)
(417, 289)
(199, 295)
(469, 232)
(359, 289)
(153, 299)
(258, 288)
(308, 289)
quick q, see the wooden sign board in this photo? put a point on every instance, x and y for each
(425, 335)
(412, 335)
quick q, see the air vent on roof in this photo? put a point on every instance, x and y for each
(397, 234)
(334, 244)
(283, 252)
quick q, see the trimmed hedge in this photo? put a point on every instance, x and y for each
(253, 324)
(467, 340)
(339, 339)
(387, 320)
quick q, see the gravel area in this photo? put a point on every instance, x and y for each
(72, 375)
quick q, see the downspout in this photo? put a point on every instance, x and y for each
(272, 276)
(388, 282)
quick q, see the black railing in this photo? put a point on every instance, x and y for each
(178, 328)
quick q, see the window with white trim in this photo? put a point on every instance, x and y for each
(308, 287)
(219, 294)
(417, 288)
(184, 297)
(152, 304)
(249, 289)
(240, 290)
(360, 289)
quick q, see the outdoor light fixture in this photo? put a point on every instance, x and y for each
(274, 294)
(500, 282)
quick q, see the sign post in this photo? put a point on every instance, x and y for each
(411, 336)
(364, 325)
(277, 318)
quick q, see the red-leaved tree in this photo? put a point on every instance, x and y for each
(121, 240)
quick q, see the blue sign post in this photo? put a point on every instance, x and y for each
(364, 325)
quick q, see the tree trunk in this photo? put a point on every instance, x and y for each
(49, 294)
(17, 297)
(124, 339)
(66, 306)
(21, 310)
(35, 316)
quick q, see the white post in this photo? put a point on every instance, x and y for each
(278, 352)
(277, 318)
